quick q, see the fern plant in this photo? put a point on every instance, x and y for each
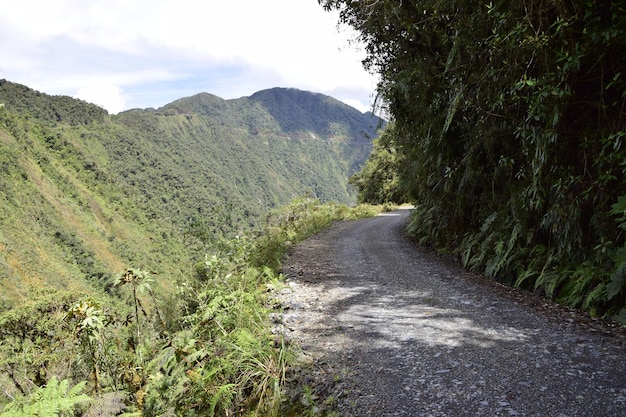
(56, 399)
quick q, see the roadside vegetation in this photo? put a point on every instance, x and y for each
(507, 134)
(203, 349)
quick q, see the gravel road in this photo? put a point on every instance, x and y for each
(397, 331)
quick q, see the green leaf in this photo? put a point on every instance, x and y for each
(617, 283)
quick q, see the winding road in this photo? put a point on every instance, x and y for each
(398, 331)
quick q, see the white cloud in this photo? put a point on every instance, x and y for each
(357, 105)
(106, 95)
(229, 48)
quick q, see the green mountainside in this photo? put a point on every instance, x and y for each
(85, 194)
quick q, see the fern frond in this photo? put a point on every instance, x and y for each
(53, 400)
(597, 295)
(222, 399)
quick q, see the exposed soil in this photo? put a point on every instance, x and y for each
(394, 330)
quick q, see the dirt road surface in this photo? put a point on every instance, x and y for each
(397, 331)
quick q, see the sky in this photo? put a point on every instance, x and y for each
(123, 54)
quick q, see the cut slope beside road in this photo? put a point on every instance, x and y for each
(397, 331)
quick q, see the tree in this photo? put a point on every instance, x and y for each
(34, 337)
(139, 283)
(89, 326)
(378, 181)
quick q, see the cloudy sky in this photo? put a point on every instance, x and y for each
(124, 54)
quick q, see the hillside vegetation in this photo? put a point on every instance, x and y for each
(204, 349)
(84, 194)
(508, 134)
(138, 252)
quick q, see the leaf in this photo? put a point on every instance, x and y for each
(597, 295)
(619, 209)
(524, 276)
(617, 282)
(222, 399)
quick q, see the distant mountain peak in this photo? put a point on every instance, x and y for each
(297, 110)
(295, 96)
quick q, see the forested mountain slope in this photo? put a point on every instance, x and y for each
(85, 194)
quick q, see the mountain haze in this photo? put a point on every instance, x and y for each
(84, 194)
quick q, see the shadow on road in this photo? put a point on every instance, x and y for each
(411, 335)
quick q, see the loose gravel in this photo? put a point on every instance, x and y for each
(394, 330)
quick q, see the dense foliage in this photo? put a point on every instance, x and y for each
(378, 182)
(205, 349)
(48, 110)
(510, 120)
